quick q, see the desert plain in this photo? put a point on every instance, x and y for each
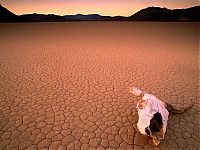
(66, 85)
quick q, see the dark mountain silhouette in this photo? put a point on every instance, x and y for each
(164, 14)
(78, 17)
(92, 17)
(7, 16)
(147, 14)
(86, 17)
(42, 18)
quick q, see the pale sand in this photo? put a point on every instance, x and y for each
(67, 85)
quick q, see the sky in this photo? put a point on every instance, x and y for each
(102, 7)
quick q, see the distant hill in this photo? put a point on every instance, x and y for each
(42, 18)
(164, 14)
(147, 14)
(93, 17)
(78, 17)
(86, 17)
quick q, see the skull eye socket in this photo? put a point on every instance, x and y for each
(156, 123)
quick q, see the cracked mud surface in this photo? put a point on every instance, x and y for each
(66, 85)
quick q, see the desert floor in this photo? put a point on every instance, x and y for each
(66, 85)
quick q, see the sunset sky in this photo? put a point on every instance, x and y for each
(103, 7)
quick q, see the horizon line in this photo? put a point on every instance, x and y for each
(96, 13)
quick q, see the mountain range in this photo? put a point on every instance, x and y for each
(148, 14)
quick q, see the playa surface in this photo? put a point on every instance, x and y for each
(66, 85)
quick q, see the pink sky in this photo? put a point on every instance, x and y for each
(103, 7)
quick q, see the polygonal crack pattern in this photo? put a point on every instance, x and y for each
(66, 85)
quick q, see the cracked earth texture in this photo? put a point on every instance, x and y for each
(66, 85)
